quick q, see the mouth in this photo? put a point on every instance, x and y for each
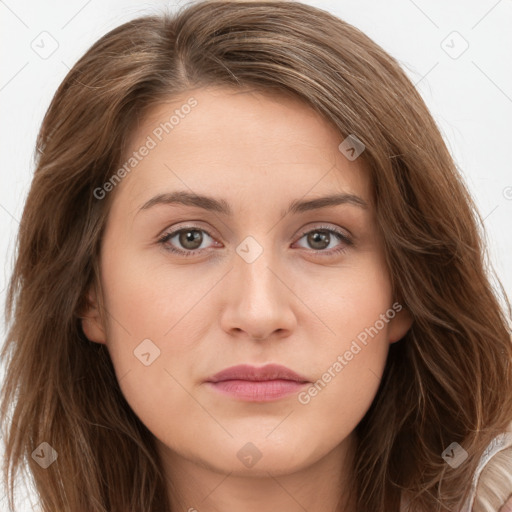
(253, 384)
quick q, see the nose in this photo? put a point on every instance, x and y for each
(259, 303)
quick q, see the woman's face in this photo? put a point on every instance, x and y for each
(219, 252)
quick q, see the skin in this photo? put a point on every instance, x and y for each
(213, 310)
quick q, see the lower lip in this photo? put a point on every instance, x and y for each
(257, 391)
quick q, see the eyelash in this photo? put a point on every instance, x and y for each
(342, 237)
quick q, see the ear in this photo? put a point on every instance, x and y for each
(92, 321)
(400, 323)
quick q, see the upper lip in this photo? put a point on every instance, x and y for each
(253, 373)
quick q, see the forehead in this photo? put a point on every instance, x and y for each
(238, 143)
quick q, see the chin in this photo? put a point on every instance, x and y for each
(261, 456)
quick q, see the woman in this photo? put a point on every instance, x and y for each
(250, 277)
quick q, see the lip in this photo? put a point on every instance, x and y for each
(257, 384)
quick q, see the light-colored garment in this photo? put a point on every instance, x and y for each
(500, 442)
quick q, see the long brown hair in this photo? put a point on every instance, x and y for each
(448, 380)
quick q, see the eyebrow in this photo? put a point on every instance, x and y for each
(221, 205)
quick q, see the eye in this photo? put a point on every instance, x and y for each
(322, 238)
(190, 239)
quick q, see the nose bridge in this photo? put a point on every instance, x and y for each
(258, 302)
(252, 271)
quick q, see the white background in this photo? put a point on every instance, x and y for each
(470, 96)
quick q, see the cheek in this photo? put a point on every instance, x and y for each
(349, 363)
(347, 383)
(347, 380)
(352, 303)
(152, 339)
(148, 298)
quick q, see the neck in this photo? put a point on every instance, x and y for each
(323, 486)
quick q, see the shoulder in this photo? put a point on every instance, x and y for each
(492, 484)
(492, 481)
